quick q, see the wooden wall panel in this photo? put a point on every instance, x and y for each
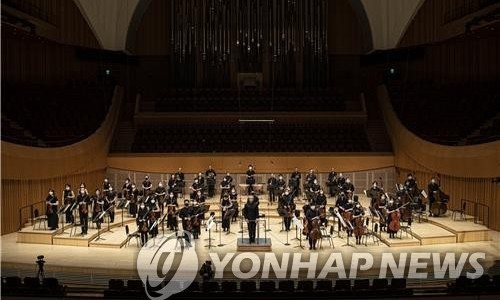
(38, 61)
(28, 172)
(70, 25)
(466, 171)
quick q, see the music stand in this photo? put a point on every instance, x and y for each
(298, 227)
(99, 216)
(346, 225)
(268, 222)
(210, 224)
(62, 212)
(121, 205)
(220, 235)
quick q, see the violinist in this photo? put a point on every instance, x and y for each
(146, 186)
(280, 185)
(171, 184)
(171, 203)
(133, 196)
(142, 222)
(83, 200)
(160, 193)
(69, 199)
(127, 188)
(288, 207)
(154, 215)
(201, 182)
(105, 187)
(410, 186)
(180, 177)
(211, 176)
(250, 179)
(433, 189)
(195, 218)
(341, 204)
(332, 182)
(296, 176)
(225, 186)
(225, 205)
(185, 214)
(347, 214)
(314, 189)
(228, 178)
(306, 206)
(271, 186)
(348, 186)
(51, 203)
(374, 193)
(195, 188)
(310, 177)
(110, 203)
(233, 196)
(321, 203)
(98, 200)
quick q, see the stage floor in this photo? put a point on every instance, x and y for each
(112, 258)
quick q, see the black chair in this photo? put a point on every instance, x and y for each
(461, 211)
(210, 286)
(398, 283)
(193, 287)
(286, 286)
(12, 282)
(116, 284)
(134, 285)
(229, 286)
(342, 285)
(31, 282)
(267, 286)
(324, 285)
(305, 285)
(52, 284)
(248, 286)
(361, 285)
(380, 284)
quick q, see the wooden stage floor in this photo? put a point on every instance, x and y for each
(84, 260)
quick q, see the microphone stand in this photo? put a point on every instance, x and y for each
(268, 223)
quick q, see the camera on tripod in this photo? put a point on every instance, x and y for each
(40, 260)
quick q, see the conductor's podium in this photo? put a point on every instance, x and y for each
(258, 188)
(262, 242)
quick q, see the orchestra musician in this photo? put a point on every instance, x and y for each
(185, 214)
(314, 189)
(233, 197)
(142, 222)
(391, 207)
(310, 177)
(127, 188)
(180, 177)
(411, 185)
(320, 203)
(51, 204)
(374, 193)
(225, 186)
(225, 205)
(288, 208)
(154, 214)
(196, 215)
(195, 188)
(271, 186)
(105, 186)
(146, 186)
(83, 200)
(296, 176)
(251, 214)
(357, 214)
(69, 199)
(171, 203)
(433, 189)
(110, 203)
(98, 200)
(306, 206)
(211, 176)
(332, 182)
(348, 186)
(200, 199)
(340, 181)
(133, 197)
(347, 213)
(341, 204)
(171, 184)
(160, 193)
(311, 214)
(201, 182)
(250, 179)
(228, 178)
(280, 186)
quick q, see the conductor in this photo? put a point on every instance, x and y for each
(251, 213)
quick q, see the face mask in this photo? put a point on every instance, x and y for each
(374, 185)
(160, 185)
(321, 192)
(171, 195)
(110, 189)
(105, 180)
(82, 191)
(51, 193)
(286, 193)
(250, 168)
(195, 203)
(142, 206)
(186, 204)
(409, 177)
(67, 188)
(153, 201)
(433, 181)
(97, 193)
(348, 181)
(313, 207)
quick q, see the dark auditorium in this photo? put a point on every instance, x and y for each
(273, 149)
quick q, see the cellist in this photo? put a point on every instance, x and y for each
(358, 222)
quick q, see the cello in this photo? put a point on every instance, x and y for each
(395, 224)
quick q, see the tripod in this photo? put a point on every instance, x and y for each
(40, 273)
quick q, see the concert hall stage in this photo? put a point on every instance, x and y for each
(114, 255)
